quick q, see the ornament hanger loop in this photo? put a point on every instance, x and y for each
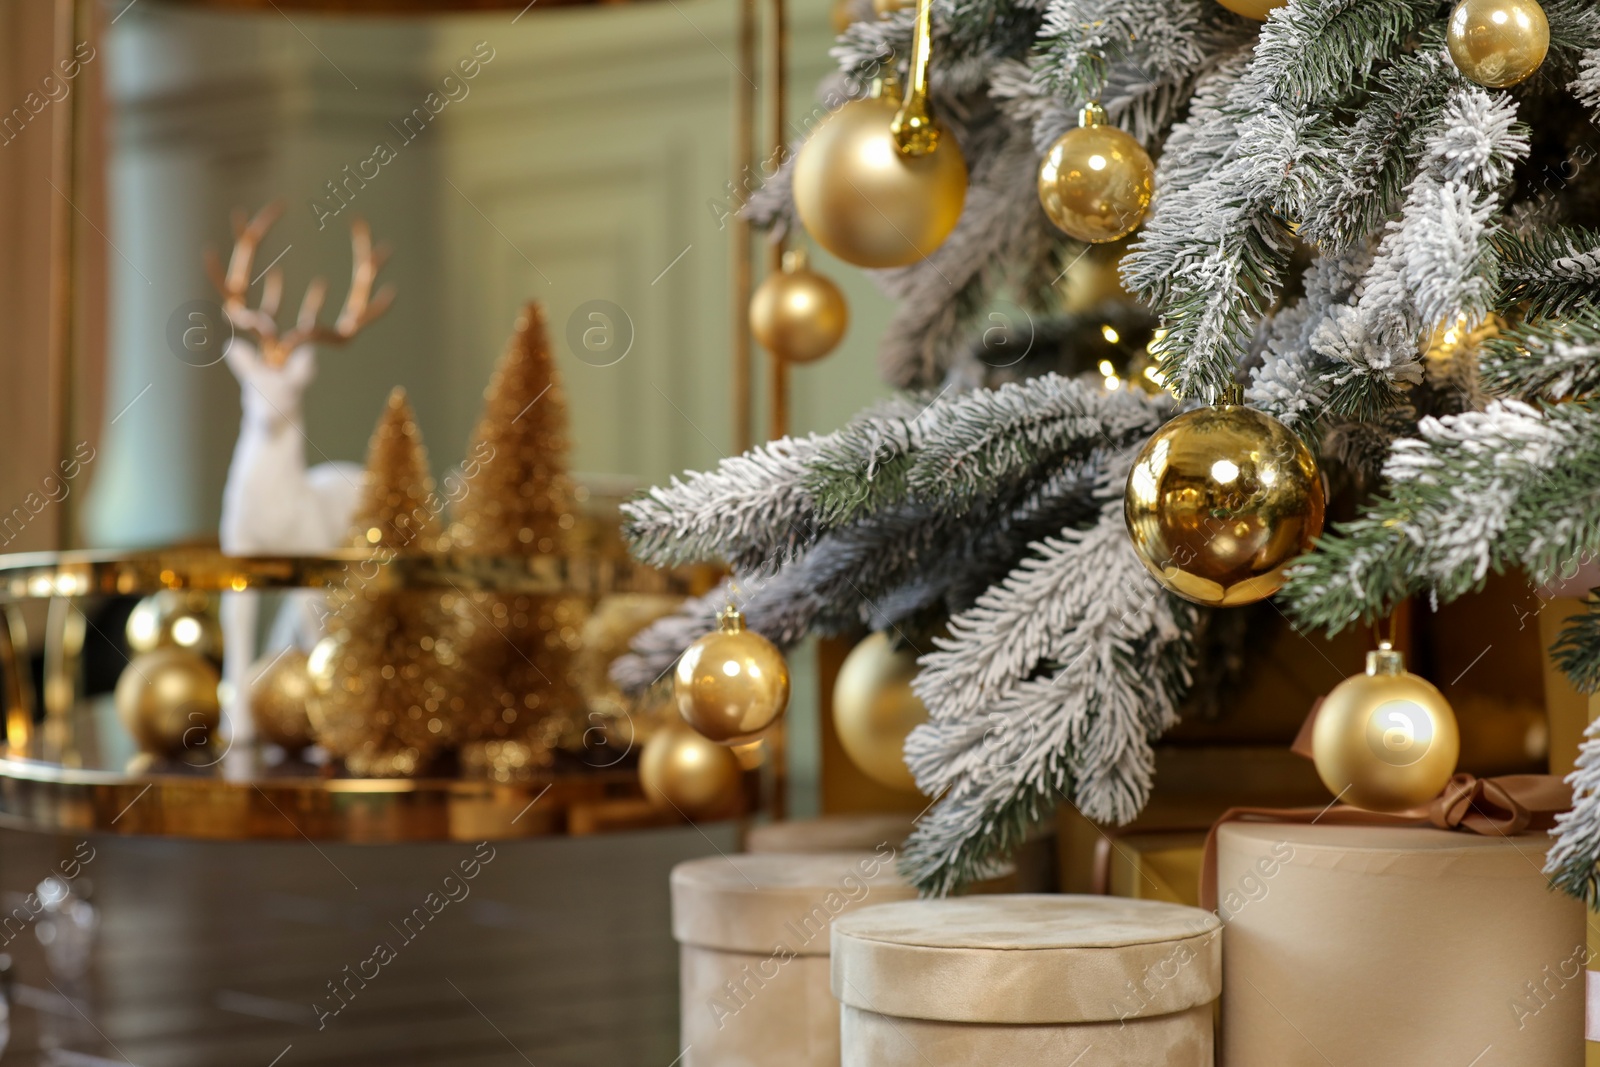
(915, 132)
(1388, 631)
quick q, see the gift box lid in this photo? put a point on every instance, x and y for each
(772, 902)
(1027, 959)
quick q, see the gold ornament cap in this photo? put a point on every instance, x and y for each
(1385, 740)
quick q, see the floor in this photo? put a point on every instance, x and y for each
(557, 953)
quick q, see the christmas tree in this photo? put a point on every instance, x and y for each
(517, 500)
(1359, 217)
(390, 704)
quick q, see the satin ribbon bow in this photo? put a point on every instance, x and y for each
(1508, 805)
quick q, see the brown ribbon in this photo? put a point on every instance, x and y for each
(1508, 805)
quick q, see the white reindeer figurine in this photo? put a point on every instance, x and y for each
(272, 504)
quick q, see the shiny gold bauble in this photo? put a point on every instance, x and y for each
(685, 772)
(797, 314)
(281, 692)
(1096, 182)
(1498, 43)
(874, 709)
(864, 201)
(1385, 740)
(1218, 503)
(732, 683)
(1253, 9)
(184, 619)
(167, 699)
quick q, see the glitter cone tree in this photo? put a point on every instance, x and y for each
(388, 707)
(518, 501)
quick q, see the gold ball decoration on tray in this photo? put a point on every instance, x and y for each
(1253, 9)
(1385, 740)
(1219, 501)
(167, 699)
(1498, 43)
(184, 619)
(731, 683)
(281, 691)
(1096, 181)
(868, 203)
(874, 709)
(682, 770)
(797, 314)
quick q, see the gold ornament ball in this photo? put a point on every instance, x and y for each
(1219, 501)
(1385, 740)
(797, 314)
(1498, 43)
(281, 691)
(1253, 9)
(682, 770)
(1096, 183)
(173, 618)
(732, 683)
(865, 202)
(874, 709)
(167, 699)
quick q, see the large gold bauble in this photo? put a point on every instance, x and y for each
(1096, 183)
(185, 619)
(682, 770)
(874, 709)
(1253, 9)
(732, 683)
(1385, 740)
(797, 314)
(167, 699)
(1219, 502)
(281, 692)
(1498, 43)
(864, 201)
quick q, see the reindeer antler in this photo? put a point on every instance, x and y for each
(360, 306)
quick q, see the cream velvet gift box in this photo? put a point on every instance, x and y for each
(1046, 981)
(753, 944)
(1383, 945)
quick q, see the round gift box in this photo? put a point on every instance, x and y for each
(1380, 945)
(753, 936)
(1027, 979)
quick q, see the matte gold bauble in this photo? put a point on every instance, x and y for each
(1253, 9)
(1498, 43)
(167, 699)
(1385, 740)
(1096, 181)
(682, 770)
(866, 202)
(874, 709)
(280, 697)
(797, 314)
(732, 683)
(184, 619)
(1219, 502)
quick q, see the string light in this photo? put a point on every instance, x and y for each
(1111, 335)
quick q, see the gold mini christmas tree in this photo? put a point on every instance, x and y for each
(518, 501)
(388, 703)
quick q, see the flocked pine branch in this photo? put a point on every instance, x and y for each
(1511, 486)
(1549, 273)
(1549, 360)
(1573, 862)
(1051, 688)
